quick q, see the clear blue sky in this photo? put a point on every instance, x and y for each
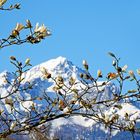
(81, 29)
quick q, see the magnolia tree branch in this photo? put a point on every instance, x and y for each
(70, 98)
(34, 36)
(16, 37)
(11, 7)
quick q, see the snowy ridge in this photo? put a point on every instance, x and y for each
(58, 66)
(80, 127)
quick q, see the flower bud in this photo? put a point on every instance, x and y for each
(72, 81)
(1, 111)
(13, 125)
(28, 23)
(45, 73)
(114, 63)
(13, 58)
(99, 73)
(111, 75)
(85, 64)
(9, 101)
(17, 6)
(124, 68)
(131, 73)
(27, 62)
(112, 55)
(60, 80)
(81, 75)
(62, 105)
(138, 71)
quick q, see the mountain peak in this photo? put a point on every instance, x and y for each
(60, 59)
(58, 66)
(55, 63)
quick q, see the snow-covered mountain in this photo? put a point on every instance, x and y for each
(72, 128)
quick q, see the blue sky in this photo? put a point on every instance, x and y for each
(81, 29)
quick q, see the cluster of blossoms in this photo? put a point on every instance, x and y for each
(40, 32)
(35, 34)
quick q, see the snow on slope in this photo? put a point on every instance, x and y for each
(79, 127)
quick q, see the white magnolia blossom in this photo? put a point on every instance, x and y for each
(124, 68)
(85, 62)
(19, 27)
(42, 30)
(107, 117)
(2, 2)
(13, 125)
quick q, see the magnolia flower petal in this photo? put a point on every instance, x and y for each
(2, 2)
